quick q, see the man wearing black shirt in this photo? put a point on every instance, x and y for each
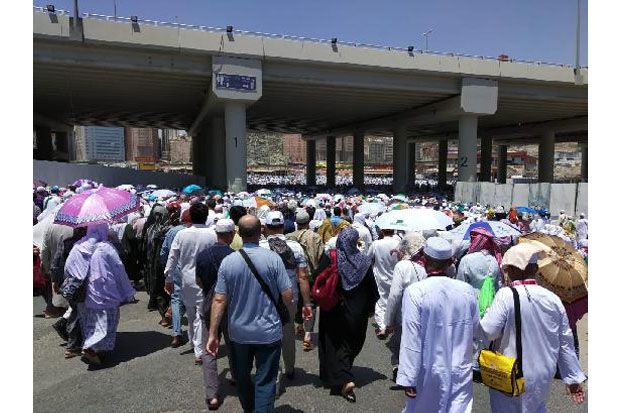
(207, 265)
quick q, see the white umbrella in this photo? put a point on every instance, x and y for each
(371, 208)
(151, 186)
(414, 219)
(263, 192)
(125, 187)
(163, 193)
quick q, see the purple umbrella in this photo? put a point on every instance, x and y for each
(97, 206)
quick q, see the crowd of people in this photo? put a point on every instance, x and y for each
(293, 179)
(255, 275)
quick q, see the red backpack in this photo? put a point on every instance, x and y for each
(325, 288)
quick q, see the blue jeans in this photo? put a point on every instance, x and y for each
(260, 396)
(178, 309)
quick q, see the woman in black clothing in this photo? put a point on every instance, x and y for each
(342, 330)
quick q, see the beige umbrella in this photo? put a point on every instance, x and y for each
(562, 269)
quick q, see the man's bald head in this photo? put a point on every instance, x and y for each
(249, 228)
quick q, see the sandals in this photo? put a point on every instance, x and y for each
(90, 357)
(212, 406)
(347, 392)
(69, 354)
(307, 345)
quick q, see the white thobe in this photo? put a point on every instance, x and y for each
(406, 272)
(383, 267)
(581, 227)
(547, 343)
(187, 244)
(439, 318)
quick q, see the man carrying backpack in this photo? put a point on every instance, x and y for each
(313, 248)
(295, 263)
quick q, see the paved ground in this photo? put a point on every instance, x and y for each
(148, 376)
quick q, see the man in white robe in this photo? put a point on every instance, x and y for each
(384, 258)
(439, 316)
(187, 244)
(581, 227)
(546, 335)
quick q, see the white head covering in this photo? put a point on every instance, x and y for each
(438, 248)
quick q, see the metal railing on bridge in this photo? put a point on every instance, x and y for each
(299, 38)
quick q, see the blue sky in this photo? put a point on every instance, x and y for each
(525, 29)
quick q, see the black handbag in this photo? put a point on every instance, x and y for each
(279, 304)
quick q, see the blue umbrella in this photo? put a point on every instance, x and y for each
(526, 210)
(497, 228)
(191, 188)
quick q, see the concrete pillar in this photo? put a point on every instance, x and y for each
(236, 156)
(502, 163)
(411, 165)
(311, 162)
(199, 164)
(486, 158)
(442, 173)
(45, 150)
(216, 153)
(468, 137)
(331, 161)
(584, 161)
(400, 159)
(546, 150)
(358, 159)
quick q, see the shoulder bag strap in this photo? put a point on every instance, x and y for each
(260, 280)
(517, 309)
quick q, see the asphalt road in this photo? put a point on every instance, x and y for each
(146, 375)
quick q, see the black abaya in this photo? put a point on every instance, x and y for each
(342, 332)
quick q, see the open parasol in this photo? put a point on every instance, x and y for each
(563, 270)
(96, 206)
(496, 228)
(413, 219)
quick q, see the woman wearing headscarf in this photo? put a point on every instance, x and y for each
(406, 272)
(94, 264)
(342, 330)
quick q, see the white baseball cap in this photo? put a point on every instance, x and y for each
(274, 218)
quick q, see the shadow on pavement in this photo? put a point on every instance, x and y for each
(365, 375)
(287, 409)
(134, 344)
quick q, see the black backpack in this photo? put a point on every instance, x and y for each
(285, 252)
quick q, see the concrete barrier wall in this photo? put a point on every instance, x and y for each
(520, 194)
(60, 173)
(573, 198)
(582, 198)
(563, 197)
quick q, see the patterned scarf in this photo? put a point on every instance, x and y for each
(352, 264)
(481, 239)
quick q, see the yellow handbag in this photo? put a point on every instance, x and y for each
(503, 373)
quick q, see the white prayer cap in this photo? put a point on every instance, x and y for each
(302, 217)
(438, 248)
(224, 225)
(521, 255)
(582, 215)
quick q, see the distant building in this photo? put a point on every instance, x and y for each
(180, 149)
(98, 143)
(294, 147)
(142, 144)
(378, 150)
(167, 136)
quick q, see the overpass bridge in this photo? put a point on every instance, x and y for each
(221, 83)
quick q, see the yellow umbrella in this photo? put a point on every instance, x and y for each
(562, 270)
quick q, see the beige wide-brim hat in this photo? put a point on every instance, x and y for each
(522, 254)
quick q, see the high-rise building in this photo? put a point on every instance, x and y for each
(180, 149)
(142, 144)
(98, 143)
(167, 136)
(294, 147)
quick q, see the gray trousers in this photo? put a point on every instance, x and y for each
(210, 376)
(288, 346)
(394, 345)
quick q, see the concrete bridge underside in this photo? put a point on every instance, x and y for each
(118, 73)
